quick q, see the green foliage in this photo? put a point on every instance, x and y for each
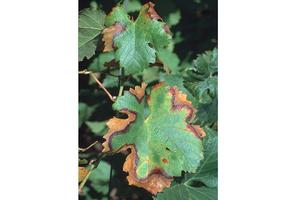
(202, 184)
(85, 112)
(98, 64)
(97, 127)
(91, 23)
(143, 50)
(98, 183)
(150, 133)
(174, 18)
(134, 51)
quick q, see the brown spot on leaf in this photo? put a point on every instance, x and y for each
(165, 161)
(154, 183)
(109, 34)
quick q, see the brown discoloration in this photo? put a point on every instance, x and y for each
(109, 34)
(83, 172)
(157, 86)
(116, 126)
(197, 130)
(151, 13)
(165, 161)
(167, 29)
(138, 92)
(179, 102)
(156, 180)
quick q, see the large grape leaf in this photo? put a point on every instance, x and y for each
(201, 185)
(90, 24)
(136, 41)
(157, 131)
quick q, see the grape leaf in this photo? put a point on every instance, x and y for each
(98, 64)
(169, 59)
(96, 127)
(133, 6)
(157, 131)
(136, 41)
(185, 192)
(202, 80)
(205, 65)
(206, 174)
(205, 91)
(90, 24)
(85, 112)
(174, 18)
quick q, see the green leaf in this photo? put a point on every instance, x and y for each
(133, 42)
(85, 112)
(150, 74)
(174, 18)
(206, 174)
(99, 177)
(133, 6)
(110, 81)
(91, 23)
(98, 64)
(185, 192)
(169, 59)
(208, 113)
(97, 127)
(161, 140)
(205, 65)
(205, 91)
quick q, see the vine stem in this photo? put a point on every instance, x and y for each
(121, 83)
(86, 178)
(99, 83)
(87, 148)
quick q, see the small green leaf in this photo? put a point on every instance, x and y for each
(110, 81)
(98, 64)
(99, 177)
(85, 112)
(208, 113)
(133, 6)
(150, 74)
(96, 127)
(91, 23)
(205, 91)
(169, 59)
(205, 64)
(174, 18)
